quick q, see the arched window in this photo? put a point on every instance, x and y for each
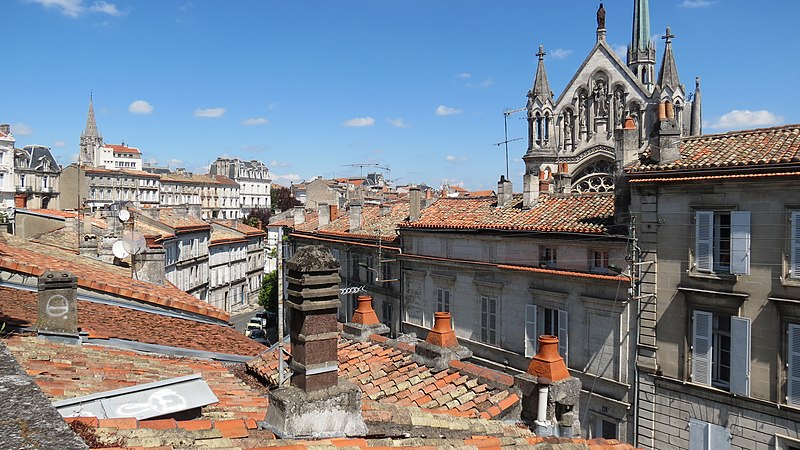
(598, 176)
(538, 129)
(546, 128)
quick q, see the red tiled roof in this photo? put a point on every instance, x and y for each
(100, 223)
(100, 170)
(190, 178)
(123, 149)
(222, 179)
(373, 223)
(761, 148)
(474, 194)
(220, 236)
(388, 375)
(35, 259)
(181, 221)
(240, 227)
(578, 213)
(19, 308)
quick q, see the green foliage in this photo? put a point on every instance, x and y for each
(282, 199)
(257, 215)
(268, 295)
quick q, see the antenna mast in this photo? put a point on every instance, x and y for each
(505, 142)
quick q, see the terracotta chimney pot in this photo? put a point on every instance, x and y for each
(364, 314)
(442, 333)
(548, 363)
(662, 111)
(630, 124)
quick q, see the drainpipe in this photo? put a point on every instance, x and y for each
(543, 427)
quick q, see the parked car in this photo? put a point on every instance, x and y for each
(253, 325)
(260, 336)
(268, 318)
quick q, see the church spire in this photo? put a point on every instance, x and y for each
(642, 51)
(697, 110)
(91, 139)
(541, 87)
(91, 125)
(668, 75)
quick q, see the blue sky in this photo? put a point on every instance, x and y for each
(418, 86)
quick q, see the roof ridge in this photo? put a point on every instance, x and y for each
(742, 132)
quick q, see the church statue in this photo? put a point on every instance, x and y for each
(601, 17)
(619, 107)
(582, 111)
(600, 99)
(567, 128)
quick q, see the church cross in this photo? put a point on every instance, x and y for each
(668, 36)
(541, 52)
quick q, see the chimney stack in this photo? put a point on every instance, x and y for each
(667, 148)
(299, 215)
(505, 192)
(324, 214)
(365, 322)
(57, 317)
(318, 402)
(355, 216)
(440, 346)
(385, 210)
(5, 128)
(414, 203)
(334, 212)
(150, 265)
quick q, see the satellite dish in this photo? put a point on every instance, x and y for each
(123, 215)
(119, 250)
(133, 242)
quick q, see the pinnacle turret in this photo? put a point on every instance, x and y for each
(541, 87)
(642, 51)
(668, 75)
(697, 110)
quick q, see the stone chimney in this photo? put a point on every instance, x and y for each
(57, 317)
(440, 346)
(324, 214)
(505, 192)
(5, 128)
(317, 403)
(626, 144)
(87, 246)
(365, 322)
(414, 203)
(549, 394)
(667, 148)
(355, 216)
(150, 265)
(299, 215)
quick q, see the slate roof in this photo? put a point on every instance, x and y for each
(101, 321)
(31, 258)
(579, 213)
(776, 148)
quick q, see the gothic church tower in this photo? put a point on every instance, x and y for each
(91, 139)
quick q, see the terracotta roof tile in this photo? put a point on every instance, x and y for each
(765, 147)
(579, 213)
(123, 149)
(241, 227)
(181, 221)
(35, 259)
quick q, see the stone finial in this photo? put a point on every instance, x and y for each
(547, 363)
(365, 322)
(440, 346)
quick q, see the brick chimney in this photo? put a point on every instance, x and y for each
(364, 323)
(57, 317)
(414, 203)
(299, 215)
(550, 395)
(317, 403)
(324, 214)
(355, 216)
(440, 346)
(334, 212)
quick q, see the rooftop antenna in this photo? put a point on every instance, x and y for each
(505, 142)
(362, 165)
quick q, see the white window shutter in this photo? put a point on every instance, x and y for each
(704, 239)
(698, 435)
(701, 347)
(794, 268)
(531, 339)
(793, 370)
(740, 242)
(719, 438)
(740, 355)
(563, 335)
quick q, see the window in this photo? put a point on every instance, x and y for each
(489, 320)
(547, 256)
(442, 300)
(387, 311)
(794, 251)
(722, 241)
(599, 262)
(721, 351)
(793, 365)
(707, 436)
(545, 321)
(604, 428)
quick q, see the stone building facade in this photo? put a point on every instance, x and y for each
(37, 177)
(253, 180)
(7, 188)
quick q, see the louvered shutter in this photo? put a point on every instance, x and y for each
(701, 347)
(563, 335)
(794, 268)
(704, 227)
(740, 242)
(531, 338)
(698, 435)
(793, 366)
(740, 355)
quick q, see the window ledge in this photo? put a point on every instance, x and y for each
(790, 282)
(714, 276)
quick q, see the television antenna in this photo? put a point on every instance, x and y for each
(362, 165)
(505, 141)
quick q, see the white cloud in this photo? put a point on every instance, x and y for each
(359, 122)
(696, 3)
(255, 121)
(140, 107)
(254, 148)
(274, 163)
(483, 84)
(453, 158)
(442, 110)
(745, 118)
(398, 122)
(620, 50)
(74, 157)
(213, 113)
(464, 75)
(20, 129)
(60, 143)
(74, 8)
(291, 177)
(174, 162)
(105, 8)
(560, 53)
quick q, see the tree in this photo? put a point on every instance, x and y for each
(257, 215)
(268, 295)
(282, 199)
